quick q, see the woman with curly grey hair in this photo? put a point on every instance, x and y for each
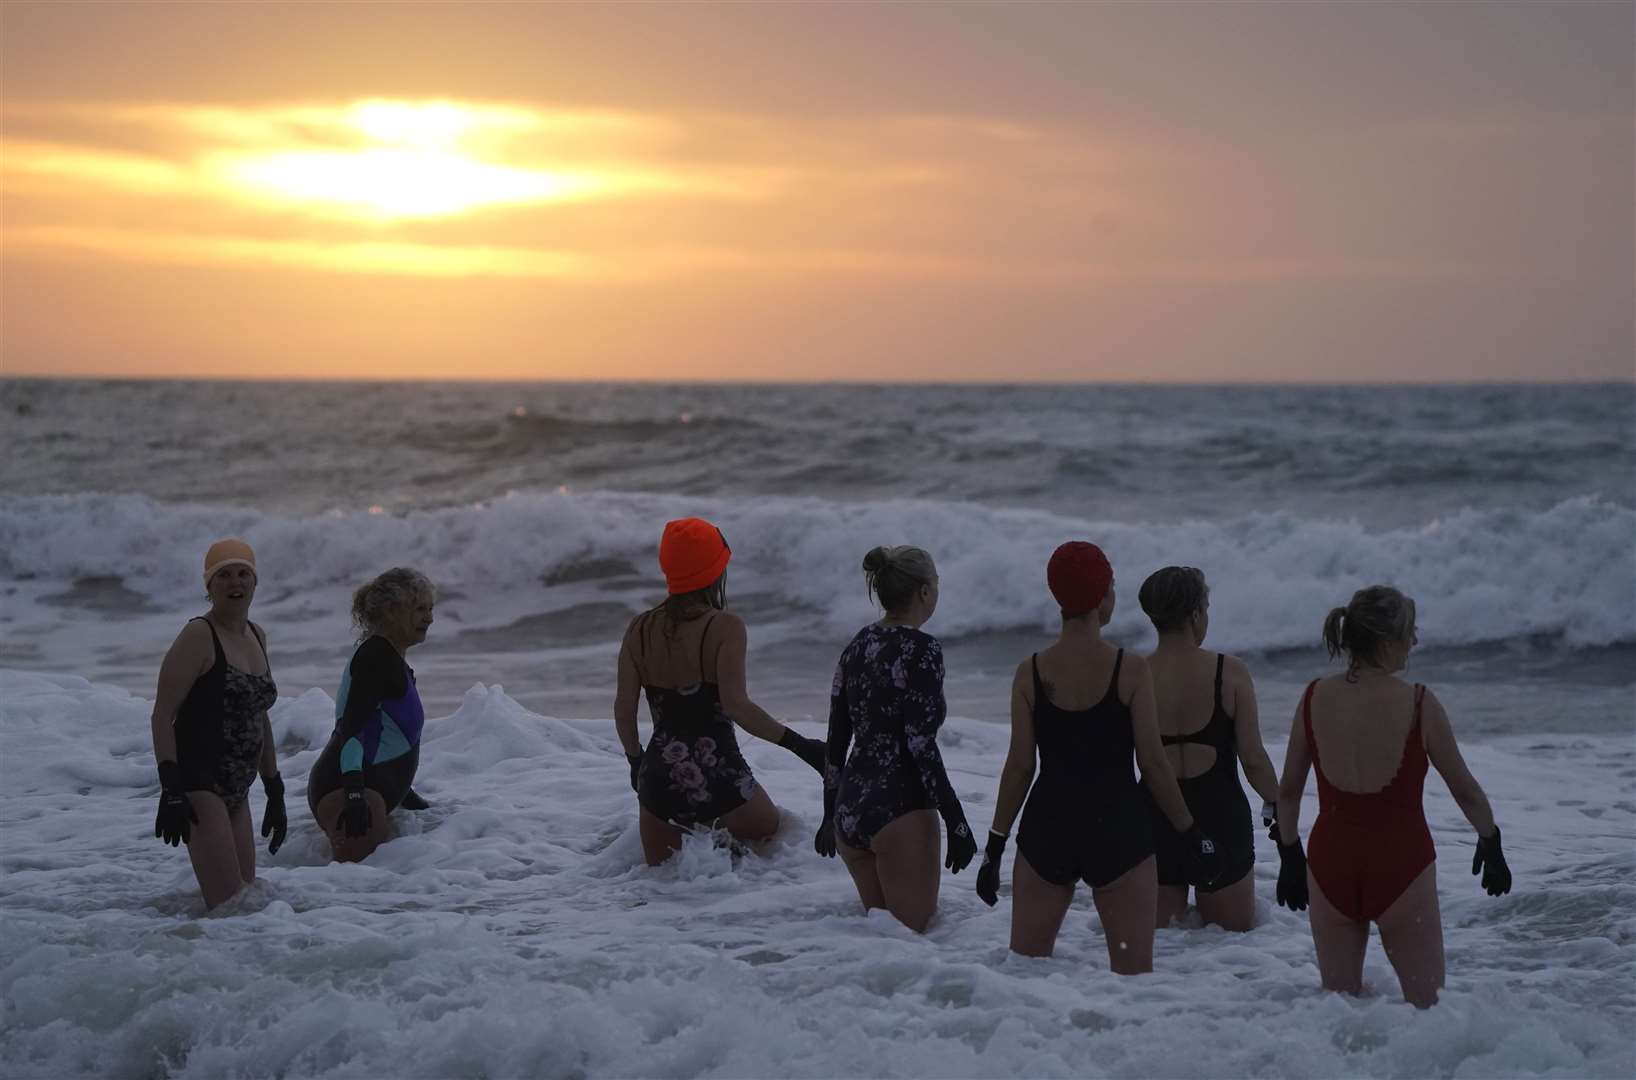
(1371, 736)
(366, 768)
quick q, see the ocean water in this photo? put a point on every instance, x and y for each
(512, 929)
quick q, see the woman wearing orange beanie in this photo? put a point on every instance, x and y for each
(211, 735)
(688, 655)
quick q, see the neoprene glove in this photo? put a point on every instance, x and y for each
(412, 801)
(988, 875)
(961, 845)
(808, 750)
(1203, 860)
(274, 821)
(635, 761)
(1491, 861)
(1292, 876)
(824, 842)
(176, 818)
(355, 817)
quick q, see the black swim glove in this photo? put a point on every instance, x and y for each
(988, 875)
(274, 821)
(635, 762)
(176, 818)
(824, 842)
(961, 845)
(1292, 876)
(1491, 861)
(808, 750)
(355, 818)
(1269, 819)
(1203, 864)
(412, 801)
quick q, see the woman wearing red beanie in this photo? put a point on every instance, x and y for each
(688, 656)
(1087, 708)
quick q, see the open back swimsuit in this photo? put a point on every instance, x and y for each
(1087, 817)
(1216, 799)
(378, 724)
(692, 771)
(886, 705)
(1365, 849)
(219, 726)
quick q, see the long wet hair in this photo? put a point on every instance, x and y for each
(895, 574)
(1173, 595)
(1375, 618)
(375, 603)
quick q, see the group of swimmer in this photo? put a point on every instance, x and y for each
(1081, 711)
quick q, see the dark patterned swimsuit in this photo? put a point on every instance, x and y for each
(692, 772)
(887, 701)
(219, 725)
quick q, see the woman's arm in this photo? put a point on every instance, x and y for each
(731, 648)
(190, 656)
(1444, 752)
(1297, 762)
(627, 697)
(1018, 772)
(1252, 753)
(923, 710)
(1157, 774)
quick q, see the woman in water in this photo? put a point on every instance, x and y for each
(370, 760)
(1087, 708)
(211, 735)
(1371, 735)
(688, 656)
(881, 805)
(1190, 685)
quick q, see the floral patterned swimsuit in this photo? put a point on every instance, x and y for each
(692, 772)
(888, 696)
(219, 726)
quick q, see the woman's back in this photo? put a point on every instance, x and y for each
(1081, 726)
(673, 656)
(1361, 730)
(1184, 694)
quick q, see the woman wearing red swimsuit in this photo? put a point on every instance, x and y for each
(1371, 735)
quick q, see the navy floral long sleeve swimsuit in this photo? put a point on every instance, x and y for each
(886, 704)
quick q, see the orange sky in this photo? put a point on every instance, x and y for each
(1054, 192)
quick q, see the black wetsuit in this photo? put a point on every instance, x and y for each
(888, 695)
(692, 771)
(219, 725)
(1216, 799)
(378, 722)
(1087, 817)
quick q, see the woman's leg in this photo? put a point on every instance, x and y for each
(909, 861)
(860, 863)
(1037, 909)
(660, 839)
(1339, 941)
(1411, 931)
(352, 848)
(212, 849)
(1126, 905)
(756, 820)
(1171, 904)
(244, 841)
(1232, 908)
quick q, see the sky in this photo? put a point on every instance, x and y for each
(1034, 192)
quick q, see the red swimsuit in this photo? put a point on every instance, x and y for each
(1365, 849)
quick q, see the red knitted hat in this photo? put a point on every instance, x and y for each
(1079, 576)
(692, 553)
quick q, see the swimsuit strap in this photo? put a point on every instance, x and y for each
(1113, 683)
(221, 657)
(702, 635)
(1306, 720)
(262, 638)
(1039, 693)
(1221, 662)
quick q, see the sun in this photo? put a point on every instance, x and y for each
(408, 160)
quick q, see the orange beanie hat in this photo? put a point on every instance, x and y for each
(692, 553)
(227, 553)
